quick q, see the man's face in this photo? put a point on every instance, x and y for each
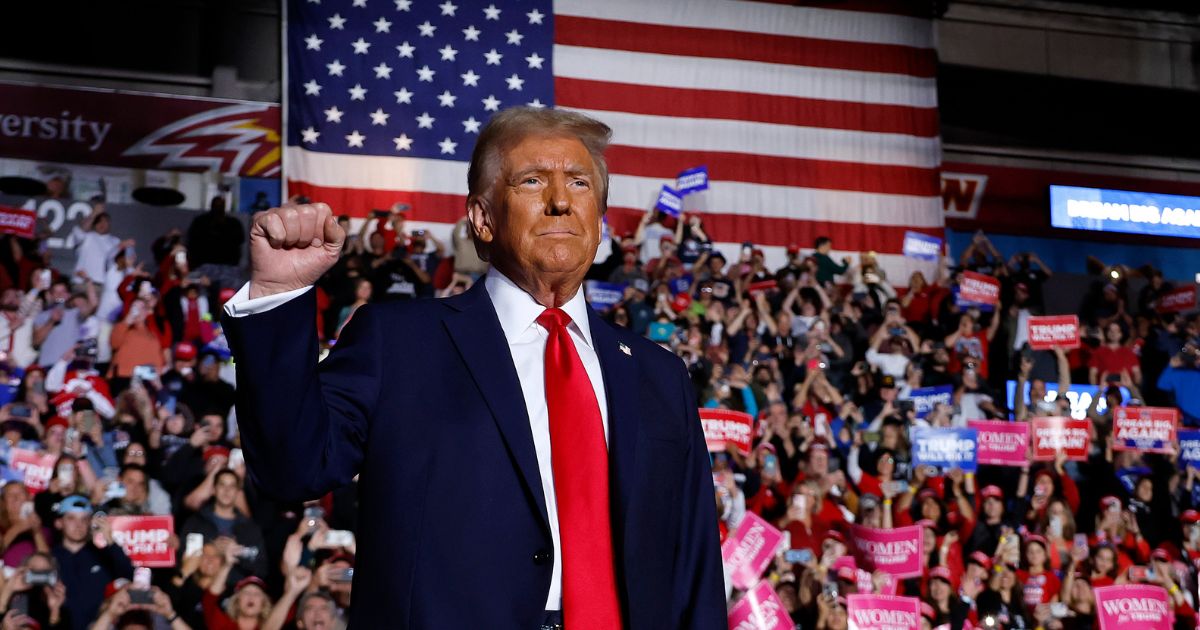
(317, 614)
(226, 490)
(544, 217)
(135, 486)
(101, 225)
(76, 525)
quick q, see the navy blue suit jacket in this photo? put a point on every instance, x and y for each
(421, 399)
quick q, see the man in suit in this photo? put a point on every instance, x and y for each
(521, 464)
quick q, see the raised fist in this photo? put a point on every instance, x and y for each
(291, 247)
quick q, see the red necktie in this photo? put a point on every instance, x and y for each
(579, 458)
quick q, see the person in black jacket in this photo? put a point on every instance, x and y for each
(83, 568)
(221, 519)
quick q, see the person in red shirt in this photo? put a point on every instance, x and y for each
(1114, 358)
(1041, 585)
(968, 344)
(922, 300)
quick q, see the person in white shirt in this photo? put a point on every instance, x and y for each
(94, 245)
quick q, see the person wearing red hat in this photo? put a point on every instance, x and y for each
(1118, 527)
(248, 607)
(1040, 584)
(947, 609)
(986, 533)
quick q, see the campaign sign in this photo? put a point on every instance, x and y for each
(36, 467)
(749, 550)
(896, 551)
(1053, 434)
(926, 398)
(762, 286)
(945, 448)
(882, 612)
(669, 201)
(1189, 448)
(922, 246)
(17, 221)
(978, 288)
(1053, 331)
(1143, 605)
(725, 427)
(1000, 443)
(760, 609)
(692, 180)
(603, 295)
(1178, 300)
(145, 539)
(1145, 429)
(680, 284)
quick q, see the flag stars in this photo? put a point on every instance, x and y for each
(358, 92)
(403, 96)
(403, 5)
(446, 99)
(448, 146)
(471, 125)
(448, 53)
(470, 78)
(379, 117)
(360, 46)
(362, 4)
(426, 28)
(425, 121)
(337, 22)
(333, 115)
(471, 33)
(535, 16)
(355, 139)
(336, 68)
(490, 104)
(515, 82)
(382, 25)
(312, 88)
(425, 74)
(537, 103)
(514, 37)
(491, 12)
(535, 61)
(383, 71)
(310, 135)
(403, 142)
(312, 42)
(492, 57)
(448, 8)
(406, 50)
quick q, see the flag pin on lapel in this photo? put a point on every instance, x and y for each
(624, 348)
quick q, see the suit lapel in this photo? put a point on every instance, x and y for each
(621, 386)
(476, 333)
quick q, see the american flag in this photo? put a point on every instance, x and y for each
(812, 121)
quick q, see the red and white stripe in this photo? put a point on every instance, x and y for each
(812, 122)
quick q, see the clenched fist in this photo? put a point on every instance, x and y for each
(291, 247)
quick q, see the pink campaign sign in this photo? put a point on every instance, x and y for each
(1141, 605)
(1001, 443)
(882, 612)
(895, 551)
(760, 609)
(749, 550)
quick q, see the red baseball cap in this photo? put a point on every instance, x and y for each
(1161, 554)
(834, 534)
(250, 580)
(757, 252)
(681, 302)
(57, 421)
(666, 238)
(992, 492)
(215, 451)
(847, 573)
(926, 493)
(1190, 517)
(185, 351)
(630, 249)
(940, 573)
(980, 558)
(793, 249)
(1037, 538)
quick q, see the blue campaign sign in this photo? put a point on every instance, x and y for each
(922, 246)
(945, 447)
(925, 398)
(669, 201)
(680, 284)
(966, 304)
(692, 180)
(603, 295)
(1106, 210)
(1189, 448)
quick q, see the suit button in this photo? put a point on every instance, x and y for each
(541, 557)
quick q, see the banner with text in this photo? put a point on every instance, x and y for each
(1142, 605)
(603, 295)
(749, 550)
(37, 468)
(726, 427)
(17, 221)
(945, 448)
(882, 612)
(1189, 448)
(1145, 429)
(920, 246)
(896, 551)
(926, 398)
(1179, 300)
(145, 539)
(760, 609)
(1001, 443)
(978, 289)
(1053, 331)
(669, 201)
(1053, 434)
(692, 180)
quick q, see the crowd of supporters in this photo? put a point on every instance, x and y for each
(117, 368)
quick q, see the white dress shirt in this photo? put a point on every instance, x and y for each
(518, 313)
